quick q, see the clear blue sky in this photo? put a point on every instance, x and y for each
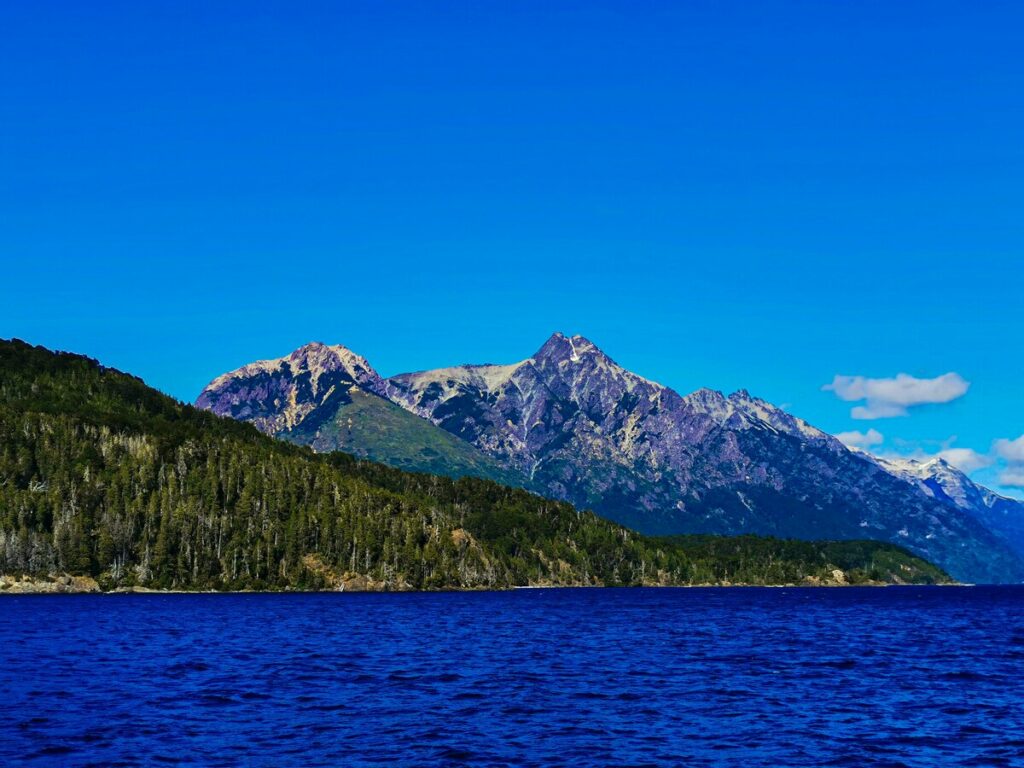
(756, 195)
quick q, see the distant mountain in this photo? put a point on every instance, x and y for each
(572, 424)
(107, 484)
(331, 399)
(942, 480)
(588, 431)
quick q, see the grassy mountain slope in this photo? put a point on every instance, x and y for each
(102, 476)
(370, 427)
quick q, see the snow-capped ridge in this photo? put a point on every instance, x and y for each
(742, 410)
(774, 416)
(485, 378)
(935, 474)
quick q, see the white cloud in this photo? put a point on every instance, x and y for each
(967, 460)
(1011, 450)
(1012, 477)
(885, 398)
(877, 411)
(862, 440)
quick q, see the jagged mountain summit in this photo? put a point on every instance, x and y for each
(572, 424)
(331, 399)
(277, 395)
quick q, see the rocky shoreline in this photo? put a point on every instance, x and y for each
(56, 585)
(65, 584)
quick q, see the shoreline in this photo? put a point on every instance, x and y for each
(84, 585)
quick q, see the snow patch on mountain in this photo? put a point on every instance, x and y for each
(939, 476)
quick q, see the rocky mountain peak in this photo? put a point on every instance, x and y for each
(314, 359)
(279, 393)
(573, 369)
(707, 400)
(318, 358)
(743, 396)
(561, 348)
(914, 468)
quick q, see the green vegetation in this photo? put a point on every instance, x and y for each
(372, 428)
(103, 476)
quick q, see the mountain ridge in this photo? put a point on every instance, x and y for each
(580, 428)
(331, 399)
(937, 476)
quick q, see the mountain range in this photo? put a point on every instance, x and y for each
(571, 424)
(331, 399)
(108, 484)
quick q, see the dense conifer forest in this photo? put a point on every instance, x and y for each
(102, 476)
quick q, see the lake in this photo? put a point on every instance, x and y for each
(916, 676)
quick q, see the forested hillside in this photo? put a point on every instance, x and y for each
(102, 476)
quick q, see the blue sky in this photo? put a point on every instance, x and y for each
(728, 195)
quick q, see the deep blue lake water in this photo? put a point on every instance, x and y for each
(858, 677)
